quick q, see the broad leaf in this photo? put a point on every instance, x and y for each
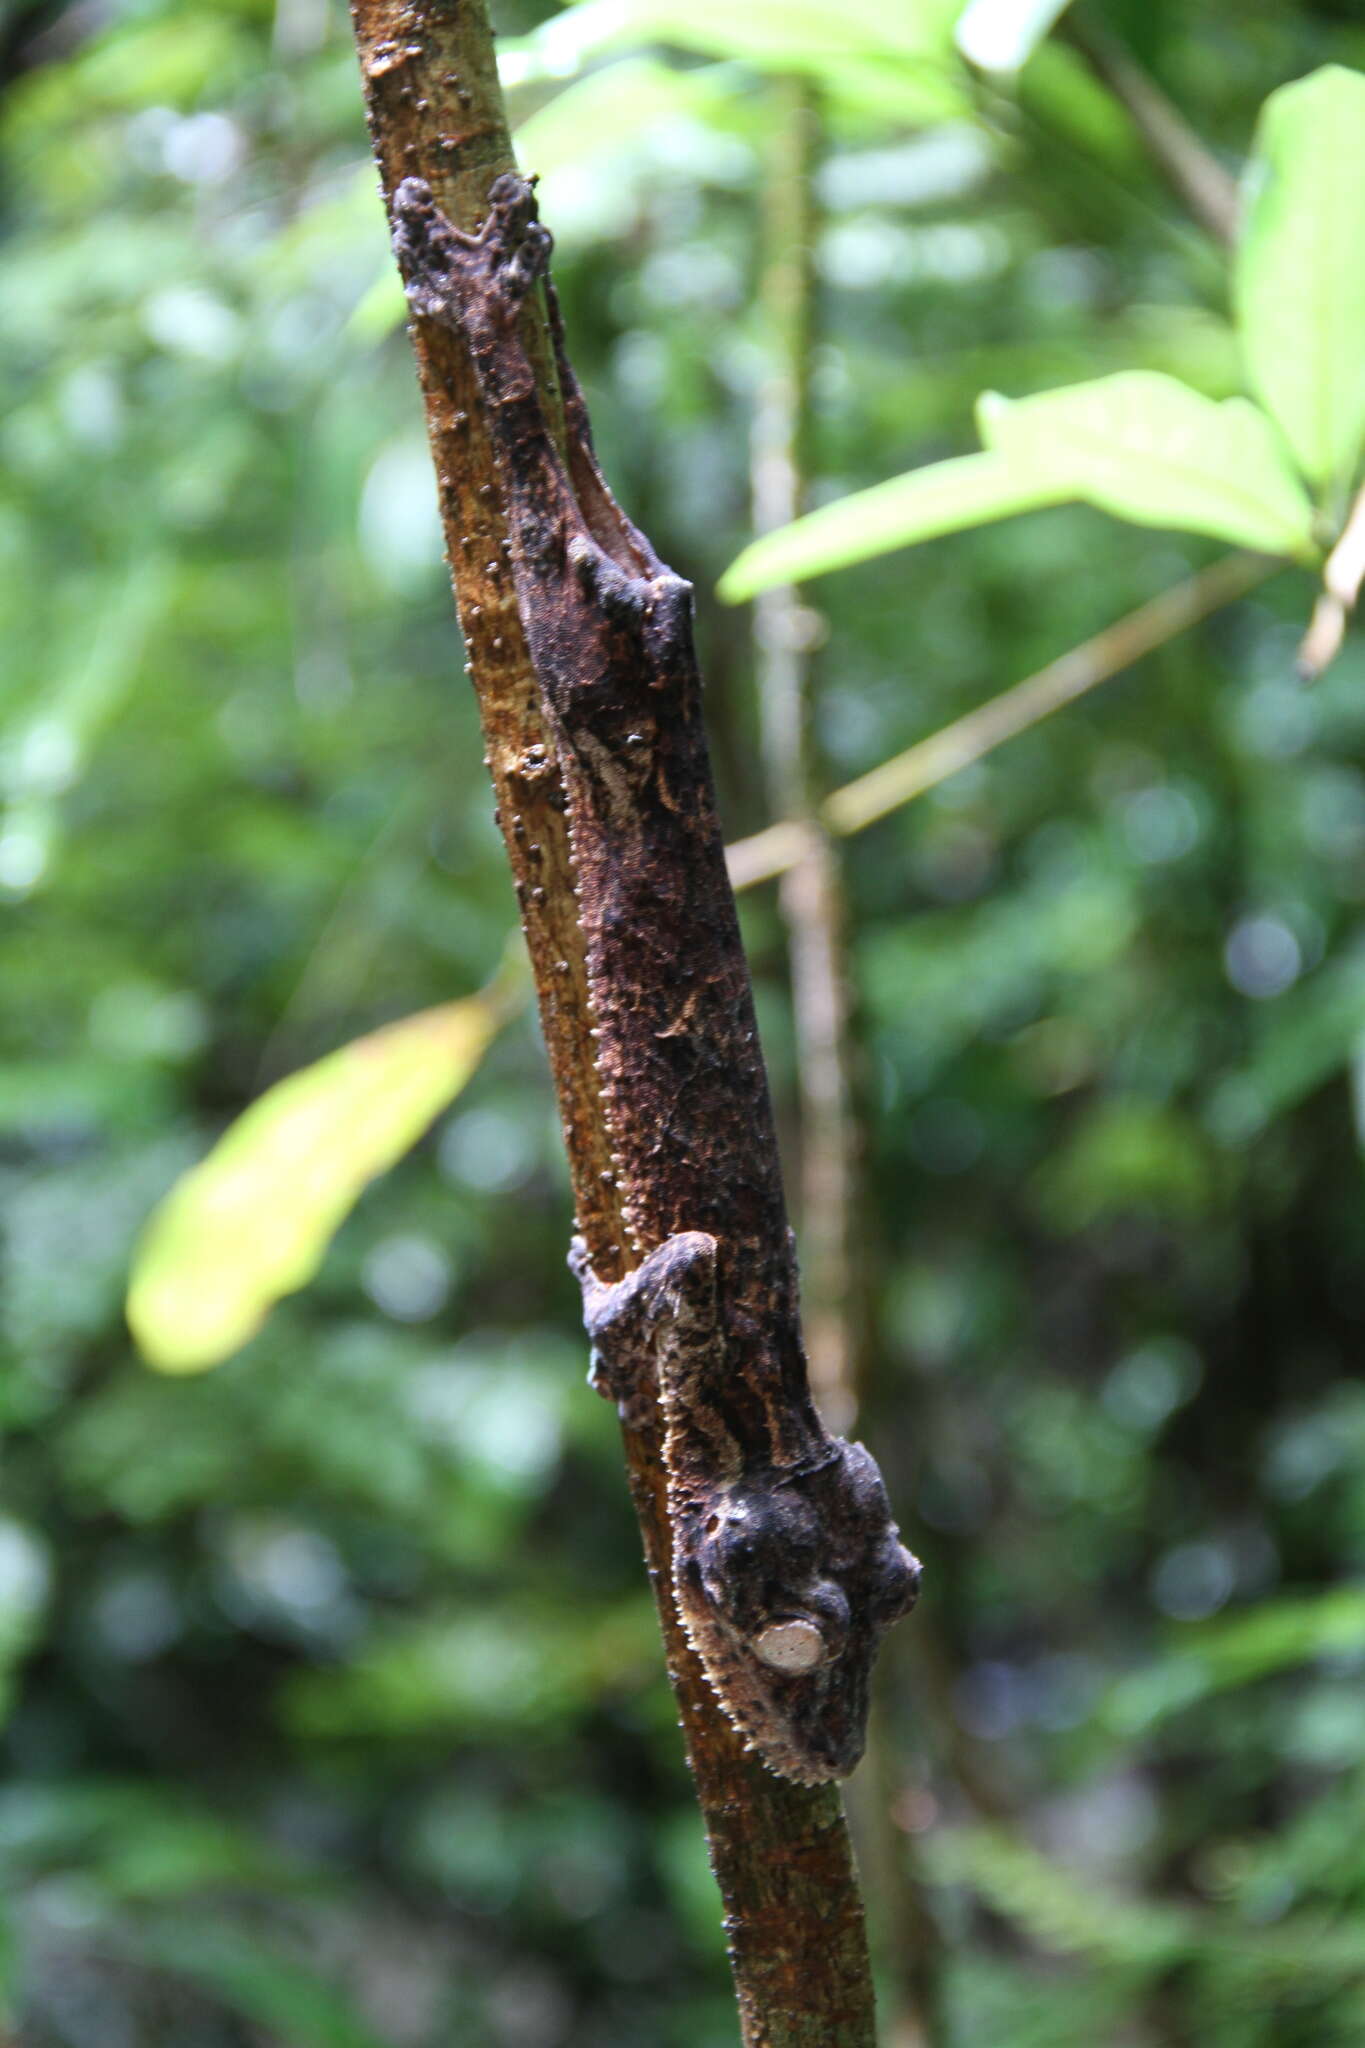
(943, 497)
(253, 1221)
(1146, 447)
(613, 109)
(899, 59)
(1300, 278)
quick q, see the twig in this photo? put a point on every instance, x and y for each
(1341, 580)
(780, 1851)
(1190, 168)
(813, 907)
(931, 761)
(786, 631)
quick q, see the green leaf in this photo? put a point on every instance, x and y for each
(1147, 448)
(899, 60)
(943, 497)
(604, 114)
(1300, 277)
(1139, 444)
(254, 1220)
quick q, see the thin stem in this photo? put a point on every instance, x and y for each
(1342, 576)
(932, 760)
(786, 632)
(813, 906)
(1189, 166)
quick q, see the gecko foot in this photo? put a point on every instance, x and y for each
(461, 279)
(670, 1297)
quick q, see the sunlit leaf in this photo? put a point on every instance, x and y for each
(900, 59)
(1058, 89)
(1146, 447)
(943, 497)
(1301, 268)
(1139, 444)
(605, 113)
(253, 1221)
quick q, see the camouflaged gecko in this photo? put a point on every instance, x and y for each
(787, 1565)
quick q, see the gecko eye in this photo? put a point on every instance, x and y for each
(790, 1646)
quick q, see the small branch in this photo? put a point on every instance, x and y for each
(1190, 168)
(1342, 577)
(780, 1851)
(813, 906)
(786, 633)
(931, 761)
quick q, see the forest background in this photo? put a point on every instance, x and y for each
(332, 1706)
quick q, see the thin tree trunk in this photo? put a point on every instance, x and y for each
(780, 1852)
(813, 901)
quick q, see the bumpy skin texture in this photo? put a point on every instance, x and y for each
(787, 1565)
(800, 1561)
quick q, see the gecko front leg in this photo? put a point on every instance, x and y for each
(786, 1575)
(668, 1300)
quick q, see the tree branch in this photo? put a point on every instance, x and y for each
(780, 1851)
(1188, 165)
(1342, 576)
(931, 761)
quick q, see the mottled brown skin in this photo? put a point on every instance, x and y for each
(775, 1522)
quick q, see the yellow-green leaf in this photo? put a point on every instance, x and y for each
(942, 497)
(1301, 269)
(253, 1221)
(1147, 448)
(612, 110)
(895, 60)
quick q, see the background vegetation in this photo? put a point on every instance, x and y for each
(332, 1709)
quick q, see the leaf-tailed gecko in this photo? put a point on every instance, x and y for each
(787, 1565)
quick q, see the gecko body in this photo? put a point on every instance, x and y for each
(787, 1565)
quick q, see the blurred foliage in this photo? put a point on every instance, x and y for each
(1143, 445)
(255, 1220)
(331, 1695)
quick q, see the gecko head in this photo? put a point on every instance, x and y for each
(787, 1582)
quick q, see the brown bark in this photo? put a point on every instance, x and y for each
(780, 1852)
